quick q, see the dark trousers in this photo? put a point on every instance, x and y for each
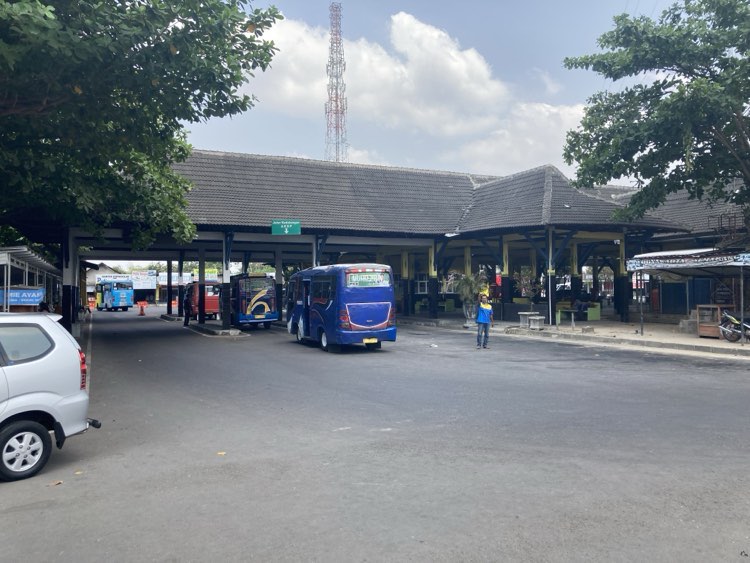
(186, 318)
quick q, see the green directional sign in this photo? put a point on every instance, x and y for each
(285, 227)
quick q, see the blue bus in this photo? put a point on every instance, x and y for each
(342, 304)
(112, 295)
(253, 300)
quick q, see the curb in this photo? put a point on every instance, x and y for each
(591, 338)
(628, 342)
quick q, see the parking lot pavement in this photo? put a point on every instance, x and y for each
(661, 337)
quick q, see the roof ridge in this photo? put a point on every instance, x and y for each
(352, 165)
(467, 209)
(547, 198)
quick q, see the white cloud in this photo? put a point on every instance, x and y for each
(424, 87)
(366, 156)
(430, 84)
(531, 135)
(296, 83)
(551, 86)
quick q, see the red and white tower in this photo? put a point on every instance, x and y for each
(336, 104)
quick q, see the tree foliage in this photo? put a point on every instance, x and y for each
(468, 288)
(683, 120)
(94, 97)
(527, 285)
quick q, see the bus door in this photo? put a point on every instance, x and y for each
(99, 292)
(305, 315)
(104, 296)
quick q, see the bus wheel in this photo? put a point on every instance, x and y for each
(325, 345)
(374, 345)
(125, 309)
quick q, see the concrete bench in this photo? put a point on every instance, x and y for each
(536, 322)
(524, 316)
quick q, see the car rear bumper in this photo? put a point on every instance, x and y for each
(72, 413)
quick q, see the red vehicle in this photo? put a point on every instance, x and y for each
(213, 301)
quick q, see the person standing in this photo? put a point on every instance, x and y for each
(187, 308)
(484, 320)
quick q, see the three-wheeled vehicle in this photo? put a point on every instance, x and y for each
(253, 300)
(212, 302)
(342, 304)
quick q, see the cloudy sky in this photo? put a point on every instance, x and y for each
(474, 86)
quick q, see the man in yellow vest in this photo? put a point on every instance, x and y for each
(484, 320)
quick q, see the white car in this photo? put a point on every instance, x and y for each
(43, 390)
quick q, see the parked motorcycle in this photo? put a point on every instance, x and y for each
(729, 327)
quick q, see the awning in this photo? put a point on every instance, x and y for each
(700, 262)
(24, 254)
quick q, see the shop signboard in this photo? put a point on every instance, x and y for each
(23, 295)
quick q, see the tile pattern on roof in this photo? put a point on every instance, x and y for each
(251, 190)
(543, 196)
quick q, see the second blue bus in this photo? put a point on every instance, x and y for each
(342, 304)
(113, 295)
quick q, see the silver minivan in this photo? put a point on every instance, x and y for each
(43, 390)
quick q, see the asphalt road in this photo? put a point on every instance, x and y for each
(259, 448)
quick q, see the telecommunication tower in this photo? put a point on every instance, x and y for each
(336, 104)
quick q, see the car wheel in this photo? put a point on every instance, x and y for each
(26, 447)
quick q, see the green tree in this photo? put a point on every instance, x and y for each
(527, 284)
(468, 288)
(689, 126)
(94, 98)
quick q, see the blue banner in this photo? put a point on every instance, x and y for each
(24, 296)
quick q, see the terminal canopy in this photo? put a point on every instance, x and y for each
(693, 262)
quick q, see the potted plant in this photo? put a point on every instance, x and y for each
(527, 284)
(468, 288)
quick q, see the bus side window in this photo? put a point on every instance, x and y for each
(318, 294)
(321, 291)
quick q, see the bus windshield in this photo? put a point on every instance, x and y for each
(256, 284)
(370, 278)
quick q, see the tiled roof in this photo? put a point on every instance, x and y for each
(696, 216)
(699, 216)
(249, 191)
(543, 196)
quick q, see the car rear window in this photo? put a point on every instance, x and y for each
(23, 343)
